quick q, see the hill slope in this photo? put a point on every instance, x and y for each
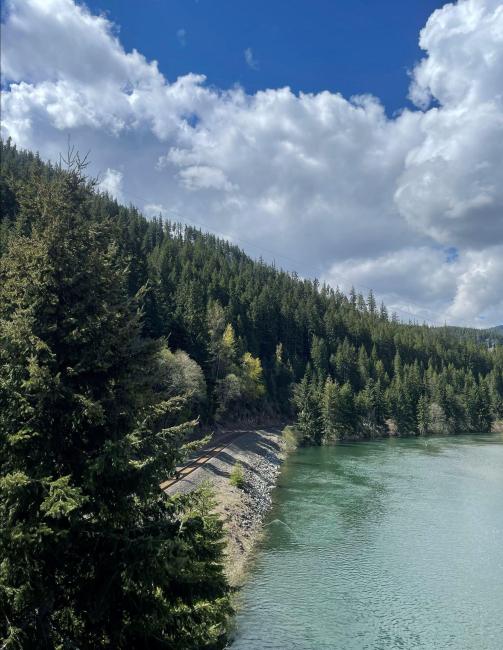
(256, 331)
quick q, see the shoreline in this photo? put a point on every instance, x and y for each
(260, 452)
(244, 510)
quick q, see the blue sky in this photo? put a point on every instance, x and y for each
(346, 46)
(401, 195)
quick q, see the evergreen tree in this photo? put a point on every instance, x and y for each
(93, 554)
(329, 409)
(319, 357)
(371, 303)
(363, 365)
(372, 408)
(281, 380)
(307, 405)
(345, 363)
(346, 412)
(423, 415)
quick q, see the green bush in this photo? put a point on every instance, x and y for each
(237, 476)
(291, 437)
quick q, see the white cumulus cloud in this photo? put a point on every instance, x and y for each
(325, 184)
(111, 183)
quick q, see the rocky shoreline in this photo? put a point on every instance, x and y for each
(244, 517)
(260, 453)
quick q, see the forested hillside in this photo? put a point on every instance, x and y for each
(255, 331)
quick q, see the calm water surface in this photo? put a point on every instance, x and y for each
(382, 545)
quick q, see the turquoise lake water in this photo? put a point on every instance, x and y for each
(385, 545)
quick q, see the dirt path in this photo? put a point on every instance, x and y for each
(260, 452)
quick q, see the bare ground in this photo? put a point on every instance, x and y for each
(260, 452)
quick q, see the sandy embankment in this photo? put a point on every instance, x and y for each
(260, 453)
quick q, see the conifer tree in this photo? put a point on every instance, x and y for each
(308, 407)
(347, 411)
(329, 409)
(93, 554)
(319, 357)
(371, 303)
(371, 405)
(281, 379)
(423, 415)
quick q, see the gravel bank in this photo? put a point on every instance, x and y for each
(260, 452)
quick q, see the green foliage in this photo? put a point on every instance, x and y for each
(290, 437)
(182, 376)
(228, 393)
(319, 357)
(309, 417)
(424, 419)
(253, 386)
(237, 476)
(93, 554)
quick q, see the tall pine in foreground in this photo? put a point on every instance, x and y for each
(92, 553)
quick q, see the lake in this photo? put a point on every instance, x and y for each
(382, 545)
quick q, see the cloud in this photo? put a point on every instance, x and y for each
(426, 276)
(251, 61)
(479, 297)
(465, 56)
(154, 210)
(181, 35)
(111, 183)
(321, 183)
(451, 186)
(200, 177)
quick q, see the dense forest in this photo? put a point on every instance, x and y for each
(242, 333)
(118, 335)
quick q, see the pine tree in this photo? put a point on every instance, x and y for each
(319, 357)
(93, 554)
(423, 415)
(329, 409)
(352, 297)
(281, 380)
(346, 412)
(363, 365)
(308, 407)
(371, 303)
